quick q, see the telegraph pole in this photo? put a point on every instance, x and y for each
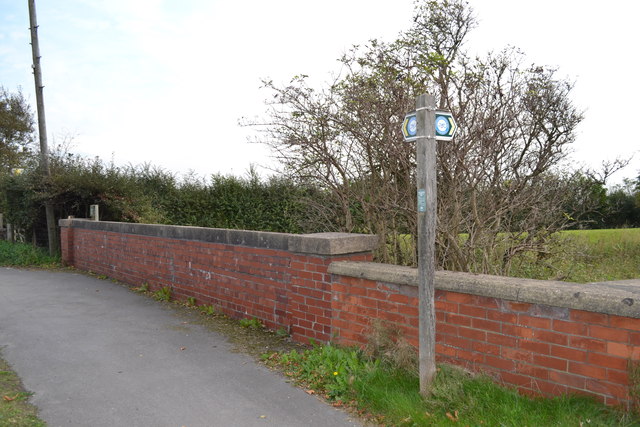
(52, 232)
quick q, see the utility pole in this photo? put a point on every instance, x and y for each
(52, 232)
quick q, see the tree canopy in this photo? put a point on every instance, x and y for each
(16, 129)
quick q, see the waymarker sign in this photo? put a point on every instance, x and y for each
(445, 126)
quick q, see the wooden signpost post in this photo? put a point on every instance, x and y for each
(426, 126)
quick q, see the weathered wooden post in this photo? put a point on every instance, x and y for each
(426, 195)
(426, 126)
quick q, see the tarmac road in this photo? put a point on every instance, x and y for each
(96, 354)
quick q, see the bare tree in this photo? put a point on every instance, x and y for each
(499, 183)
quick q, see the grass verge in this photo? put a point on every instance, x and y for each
(25, 255)
(389, 396)
(15, 410)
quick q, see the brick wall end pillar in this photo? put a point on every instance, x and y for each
(311, 285)
(66, 243)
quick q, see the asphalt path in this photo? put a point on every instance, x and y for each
(97, 354)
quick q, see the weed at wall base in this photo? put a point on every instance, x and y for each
(253, 323)
(163, 294)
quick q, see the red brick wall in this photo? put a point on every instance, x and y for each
(537, 348)
(282, 289)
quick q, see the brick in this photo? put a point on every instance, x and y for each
(618, 377)
(550, 337)
(469, 356)
(518, 306)
(620, 350)
(399, 298)
(609, 334)
(534, 347)
(500, 339)
(458, 342)
(516, 379)
(408, 311)
(588, 317)
(550, 362)
(447, 329)
(573, 328)
(569, 380)
(532, 371)
(472, 311)
(516, 354)
(625, 323)
(457, 319)
(517, 331)
(612, 401)
(499, 363)
(550, 388)
(502, 316)
(534, 322)
(449, 307)
(485, 348)
(607, 361)
(373, 293)
(588, 344)
(445, 350)
(607, 389)
(568, 353)
(586, 370)
(492, 304)
(486, 325)
(473, 334)
(459, 298)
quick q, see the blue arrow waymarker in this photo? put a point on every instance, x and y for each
(410, 127)
(445, 126)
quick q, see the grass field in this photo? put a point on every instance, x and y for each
(585, 256)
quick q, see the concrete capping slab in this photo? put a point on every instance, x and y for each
(620, 298)
(332, 243)
(317, 244)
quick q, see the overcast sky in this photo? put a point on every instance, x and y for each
(166, 82)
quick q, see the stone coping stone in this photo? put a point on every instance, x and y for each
(330, 244)
(620, 298)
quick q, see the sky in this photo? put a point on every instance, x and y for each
(166, 82)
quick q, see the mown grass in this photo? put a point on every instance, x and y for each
(585, 256)
(389, 396)
(25, 255)
(15, 410)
